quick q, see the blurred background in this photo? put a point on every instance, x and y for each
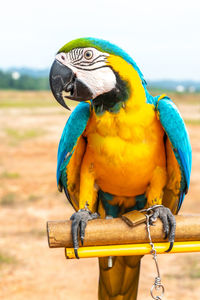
(163, 38)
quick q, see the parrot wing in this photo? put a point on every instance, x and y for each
(178, 153)
(71, 151)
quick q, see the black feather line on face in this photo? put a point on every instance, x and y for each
(79, 55)
(107, 101)
(84, 69)
(88, 64)
(89, 61)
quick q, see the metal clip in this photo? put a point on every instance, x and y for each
(157, 286)
(157, 283)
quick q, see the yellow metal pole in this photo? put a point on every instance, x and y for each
(136, 249)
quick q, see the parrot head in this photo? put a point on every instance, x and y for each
(92, 69)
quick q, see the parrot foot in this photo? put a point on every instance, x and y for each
(79, 221)
(168, 220)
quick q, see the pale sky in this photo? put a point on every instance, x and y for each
(163, 37)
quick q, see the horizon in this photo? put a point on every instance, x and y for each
(13, 69)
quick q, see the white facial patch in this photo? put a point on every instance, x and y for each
(91, 68)
(99, 81)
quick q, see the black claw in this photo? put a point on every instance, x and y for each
(166, 235)
(170, 247)
(75, 225)
(79, 222)
(76, 253)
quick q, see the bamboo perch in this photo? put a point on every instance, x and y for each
(101, 232)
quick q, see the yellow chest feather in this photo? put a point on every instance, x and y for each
(125, 148)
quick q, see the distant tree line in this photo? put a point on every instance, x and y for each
(24, 82)
(38, 80)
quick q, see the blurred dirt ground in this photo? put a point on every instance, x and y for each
(30, 129)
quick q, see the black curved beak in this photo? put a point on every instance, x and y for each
(61, 79)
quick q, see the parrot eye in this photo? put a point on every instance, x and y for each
(88, 54)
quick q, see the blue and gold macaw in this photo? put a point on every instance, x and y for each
(121, 149)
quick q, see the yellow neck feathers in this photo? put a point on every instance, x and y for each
(129, 74)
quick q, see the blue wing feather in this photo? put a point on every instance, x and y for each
(175, 129)
(73, 129)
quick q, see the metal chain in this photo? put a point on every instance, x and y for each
(157, 283)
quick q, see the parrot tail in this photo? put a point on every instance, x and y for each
(120, 282)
